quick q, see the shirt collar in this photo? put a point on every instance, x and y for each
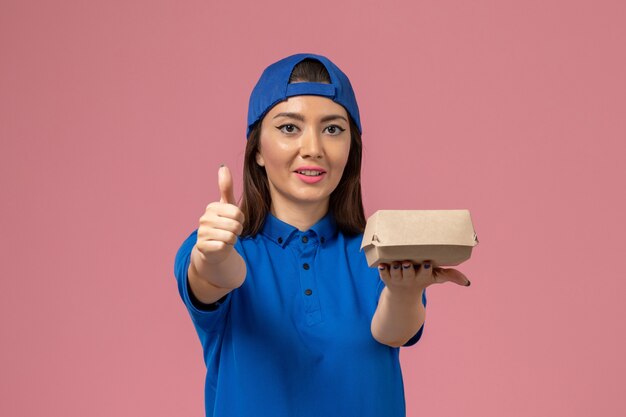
(282, 233)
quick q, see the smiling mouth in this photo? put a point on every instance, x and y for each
(310, 173)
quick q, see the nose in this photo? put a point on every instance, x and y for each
(311, 144)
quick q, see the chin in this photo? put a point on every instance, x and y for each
(311, 199)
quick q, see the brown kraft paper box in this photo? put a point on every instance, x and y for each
(444, 237)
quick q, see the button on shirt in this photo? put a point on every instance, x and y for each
(295, 339)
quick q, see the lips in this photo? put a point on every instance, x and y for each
(310, 174)
(310, 171)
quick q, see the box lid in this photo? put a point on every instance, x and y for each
(419, 227)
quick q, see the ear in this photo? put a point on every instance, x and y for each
(259, 159)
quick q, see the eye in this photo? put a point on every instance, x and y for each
(335, 130)
(287, 129)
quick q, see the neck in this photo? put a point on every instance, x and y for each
(301, 216)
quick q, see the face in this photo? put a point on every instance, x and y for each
(304, 147)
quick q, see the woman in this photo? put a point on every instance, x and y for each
(291, 319)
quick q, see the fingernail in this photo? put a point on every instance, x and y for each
(381, 267)
(468, 283)
(426, 266)
(396, 266)
(406, 266)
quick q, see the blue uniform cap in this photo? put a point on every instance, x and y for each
(273, 87)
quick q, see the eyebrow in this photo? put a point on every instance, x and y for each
(300, 117)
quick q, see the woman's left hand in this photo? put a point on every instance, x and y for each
(399, 314)
(407, 277)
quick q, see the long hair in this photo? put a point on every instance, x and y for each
(346, 203)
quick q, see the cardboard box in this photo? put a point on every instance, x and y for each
(445, 237)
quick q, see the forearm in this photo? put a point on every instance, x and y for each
(398, 317)
(210, 282)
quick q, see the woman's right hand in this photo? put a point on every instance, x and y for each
(216, 268)
(221, 224)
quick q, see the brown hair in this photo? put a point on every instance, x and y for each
(346, 203)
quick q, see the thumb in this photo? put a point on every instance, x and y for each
(452, 275)
(225, 183)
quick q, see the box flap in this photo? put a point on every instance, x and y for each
(369, 237)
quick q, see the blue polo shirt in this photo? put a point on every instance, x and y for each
(295, 338)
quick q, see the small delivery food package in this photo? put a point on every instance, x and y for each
(444, 237)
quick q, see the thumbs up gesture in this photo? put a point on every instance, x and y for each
(221, 223)
(225, 184)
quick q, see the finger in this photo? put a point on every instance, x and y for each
(223, 223)
(230, 211)
(383, 272)
(225, 184)
(425, 273)
(396, 271)
(207, 246)
(220, 235)
(452, 275)
(408, 270)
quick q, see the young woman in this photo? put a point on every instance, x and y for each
(291, 319)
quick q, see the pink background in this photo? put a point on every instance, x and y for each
(115, 115)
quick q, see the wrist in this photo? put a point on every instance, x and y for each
(228, 273)
(404, 295)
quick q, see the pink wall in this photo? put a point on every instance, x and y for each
(114, 117)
